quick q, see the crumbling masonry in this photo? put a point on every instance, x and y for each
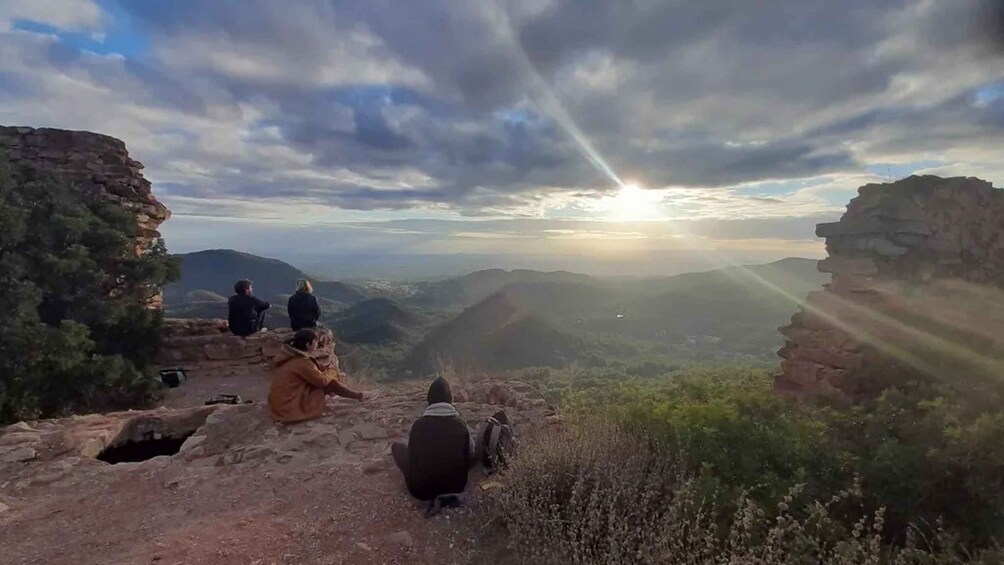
(94, 163)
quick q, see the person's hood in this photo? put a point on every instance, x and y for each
(287, 354)
(439, 391)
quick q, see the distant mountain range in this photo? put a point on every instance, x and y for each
(493, 334)
(374, 321)
(495, 319)
(723, 314)
(475, 287)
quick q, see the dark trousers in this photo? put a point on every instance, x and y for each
(259, 323)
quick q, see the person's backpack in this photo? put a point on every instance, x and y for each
(172, 378)
(495, 442)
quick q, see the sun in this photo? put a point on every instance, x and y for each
(633, 202)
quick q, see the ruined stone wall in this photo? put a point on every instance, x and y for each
(920, 252)
(206, 346)
(94, 163)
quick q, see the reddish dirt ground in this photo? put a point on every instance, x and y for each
(252, 492)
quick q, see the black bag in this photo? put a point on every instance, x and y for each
(495, 442)
(172, 377)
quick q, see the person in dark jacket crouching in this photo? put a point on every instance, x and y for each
(302, 307)
(438, 453)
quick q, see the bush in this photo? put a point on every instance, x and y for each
(920, 451)
(598, 494)
(75, 332)
(924, 453)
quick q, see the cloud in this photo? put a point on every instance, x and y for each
(75, 15)
(301, 112)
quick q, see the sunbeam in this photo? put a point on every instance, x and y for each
(544, 96)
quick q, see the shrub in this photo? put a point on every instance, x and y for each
(924, 452)
(598, 494)
(920, 451)
(75, 332)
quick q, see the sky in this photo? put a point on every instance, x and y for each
(604, 136)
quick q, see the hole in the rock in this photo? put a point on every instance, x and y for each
(135, 451)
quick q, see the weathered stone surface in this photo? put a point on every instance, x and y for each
(95, 163)
(249, 481)
(857, 226)
(862, 266)
(921, 249)
(354, 434)
(19, 427)
(18, 455)
(14, 438)
(207, 345)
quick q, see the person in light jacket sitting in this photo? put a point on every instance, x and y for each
(299, 384)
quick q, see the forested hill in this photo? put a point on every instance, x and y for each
(723, 314)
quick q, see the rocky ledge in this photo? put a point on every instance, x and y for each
(205, 346)
(239, 489)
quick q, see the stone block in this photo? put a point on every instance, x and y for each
(909, 227)
(885, 247)
(846, 284)
(848, 265)
(831, 358)
(805, 373)
(856, 226)
(909, 239)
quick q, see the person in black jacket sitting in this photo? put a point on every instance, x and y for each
(438, 454)
(302, 307)
(246, 312)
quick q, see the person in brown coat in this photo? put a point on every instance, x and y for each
(299, 384)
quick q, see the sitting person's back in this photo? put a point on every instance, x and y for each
(438, 453)
(245, 312)
(302, 307)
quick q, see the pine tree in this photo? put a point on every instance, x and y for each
(75, 332)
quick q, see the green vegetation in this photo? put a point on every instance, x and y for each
(502, 320)
(728, 314)
(74, 330)
(708, 462)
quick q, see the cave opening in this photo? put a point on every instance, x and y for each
(134, 451)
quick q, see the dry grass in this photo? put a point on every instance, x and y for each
(593, 494)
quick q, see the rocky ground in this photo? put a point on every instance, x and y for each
(241, 489)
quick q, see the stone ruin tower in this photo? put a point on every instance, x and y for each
(921, 251)
(93, 163)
